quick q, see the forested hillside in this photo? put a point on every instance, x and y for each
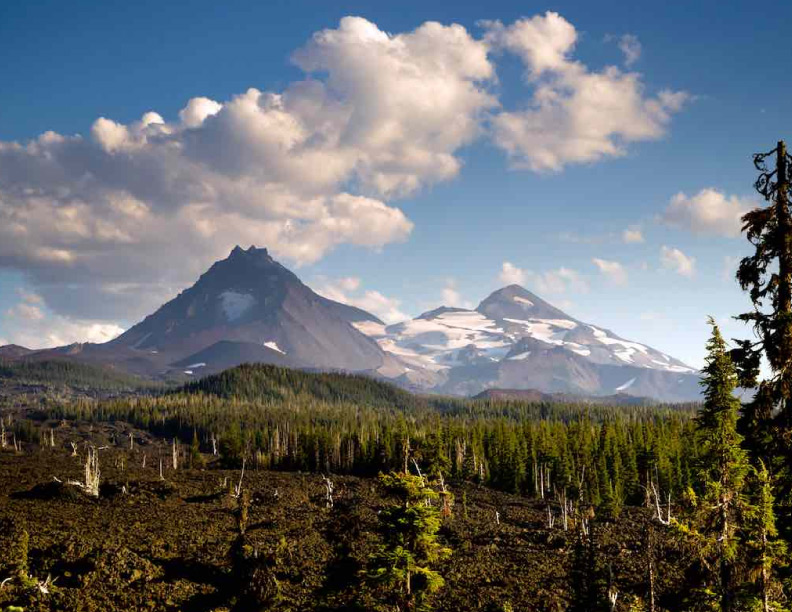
(63, 372)
(278, 418)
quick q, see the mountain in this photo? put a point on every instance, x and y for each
(248, 308)
(245, 308)
(14, 351)
(516, 340)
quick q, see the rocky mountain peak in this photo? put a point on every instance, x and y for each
(516, 302)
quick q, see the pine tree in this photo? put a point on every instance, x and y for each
(196, 458)
(586, 581)
(403, 564)
(767, 276)
(722, 471)
(764, 550)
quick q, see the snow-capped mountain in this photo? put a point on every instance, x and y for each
(516, 340)
(249, 308)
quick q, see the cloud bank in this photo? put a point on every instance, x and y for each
(110, 224)
(575, 114)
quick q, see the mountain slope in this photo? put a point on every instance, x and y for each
(247, 307)
(516, 340)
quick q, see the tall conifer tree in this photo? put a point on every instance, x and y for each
(767, 276)
(722, 471)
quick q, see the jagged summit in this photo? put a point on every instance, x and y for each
(249, 307)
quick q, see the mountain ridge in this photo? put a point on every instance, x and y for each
(250, 308)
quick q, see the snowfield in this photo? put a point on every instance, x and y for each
(446, 338)
(274, 346)
(235, 304)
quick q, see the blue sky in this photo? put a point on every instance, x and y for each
(75, 62)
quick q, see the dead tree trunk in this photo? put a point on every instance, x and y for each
(650, 569)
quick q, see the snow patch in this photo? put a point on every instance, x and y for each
(522, 300)
(195, 366)
(370, 328)
(521, 356)
(629, 347)
(235, 304)
(274, 346)
(578, 348)
(626, 385)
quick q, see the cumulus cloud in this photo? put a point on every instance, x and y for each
(632, 235)
(349, 291)
(511, 274)
(452, 297)
(562, 280)
(300, 171)
(612, 270)
(708, 212)
(575, 114)
(675, 260)
(91, 218)
(30, 324)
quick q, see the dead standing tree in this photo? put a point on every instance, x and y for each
(92, 474)
(238, 488)
(329, 487)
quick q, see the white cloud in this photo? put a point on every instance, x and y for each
(25, 311)
(90, 218)
(675, 260)
(452, 297)
(708, 212)
(511, 274)
(632, 235)
(631, 47)
(562, 280)
(28, 324)
(348, 291)
(575, 115)
(349, 283)
(612, 270)
(197, 110)
(299, 171)
(29, 308)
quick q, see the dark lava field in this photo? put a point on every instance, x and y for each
(169, 544)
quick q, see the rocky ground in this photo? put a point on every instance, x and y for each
(152, 544)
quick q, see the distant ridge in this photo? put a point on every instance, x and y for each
(14, 351)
